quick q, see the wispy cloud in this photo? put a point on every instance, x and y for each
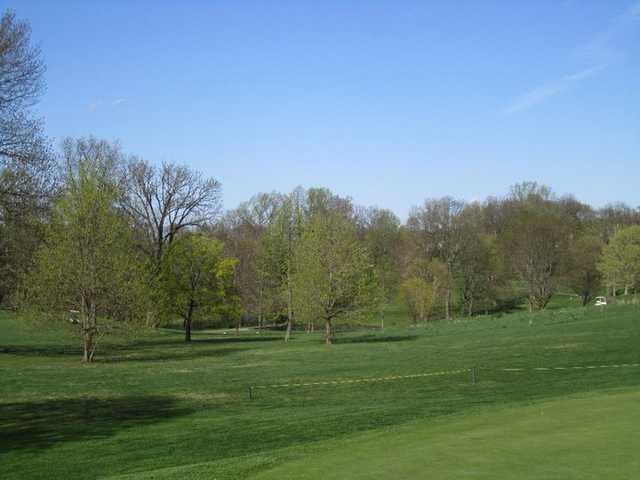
(540, 94)
(606, 48)
(99, 104)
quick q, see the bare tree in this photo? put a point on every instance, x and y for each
(438, 231)
(25, 159)
(21, 83)
(162, 201)
(28, 173)
(534, 243)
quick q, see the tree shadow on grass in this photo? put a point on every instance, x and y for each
(140, 350)
(41, 350)
(186, 352)
(375, 339)
(198, 340)
(41, 424)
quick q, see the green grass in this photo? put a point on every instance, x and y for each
(153, 407)
(588, 438)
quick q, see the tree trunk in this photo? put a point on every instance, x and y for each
(187, 322)
(626, 289)
(187, 330)
(87, 346)
(88, 322)
(446, 305)
(287, 335)
(585, 299)
(327, 331)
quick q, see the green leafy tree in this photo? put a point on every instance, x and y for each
(581, 272)
(88, 262)
(620, 262)
(434, 273)
(196, 280)
(381, 238)
(335, 277)
(417, 294)
(480, 272)
(277, 263)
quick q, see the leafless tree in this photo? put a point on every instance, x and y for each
(162, 201)
(28, 173)
(21, 83)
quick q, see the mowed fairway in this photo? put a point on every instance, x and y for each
(595, 437)
(153, 407)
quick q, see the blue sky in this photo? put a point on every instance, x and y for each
(387, 102)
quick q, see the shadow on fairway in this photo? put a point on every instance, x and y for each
(41, 424)
(197, 340)
(138, 350)
(41, 350)
(184, 352)
(375, 339)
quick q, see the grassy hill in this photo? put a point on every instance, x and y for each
(153, 407)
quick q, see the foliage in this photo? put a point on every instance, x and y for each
(534, 244)
(620, 263)
(480, 272)
(196, 280)
(580, 267)
(418, 296)
(334, 277)
(87, 262)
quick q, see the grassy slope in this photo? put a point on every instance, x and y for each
(155, 404)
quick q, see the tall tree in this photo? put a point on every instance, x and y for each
(580, 267)
(381, 238)
(163, 201)
(480, 272)
(87, 262)
(334, 277)
(278, 262)
(28, 171)
(534, 241)
(242, 231)
(437, 228)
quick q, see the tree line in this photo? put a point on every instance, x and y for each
(88, 229)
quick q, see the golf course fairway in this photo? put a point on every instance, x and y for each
(593, 437)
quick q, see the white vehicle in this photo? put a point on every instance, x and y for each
(601, 301)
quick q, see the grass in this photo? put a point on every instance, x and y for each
(554, 439)
(153, 407)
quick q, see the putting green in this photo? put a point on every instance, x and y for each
(585, 438)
